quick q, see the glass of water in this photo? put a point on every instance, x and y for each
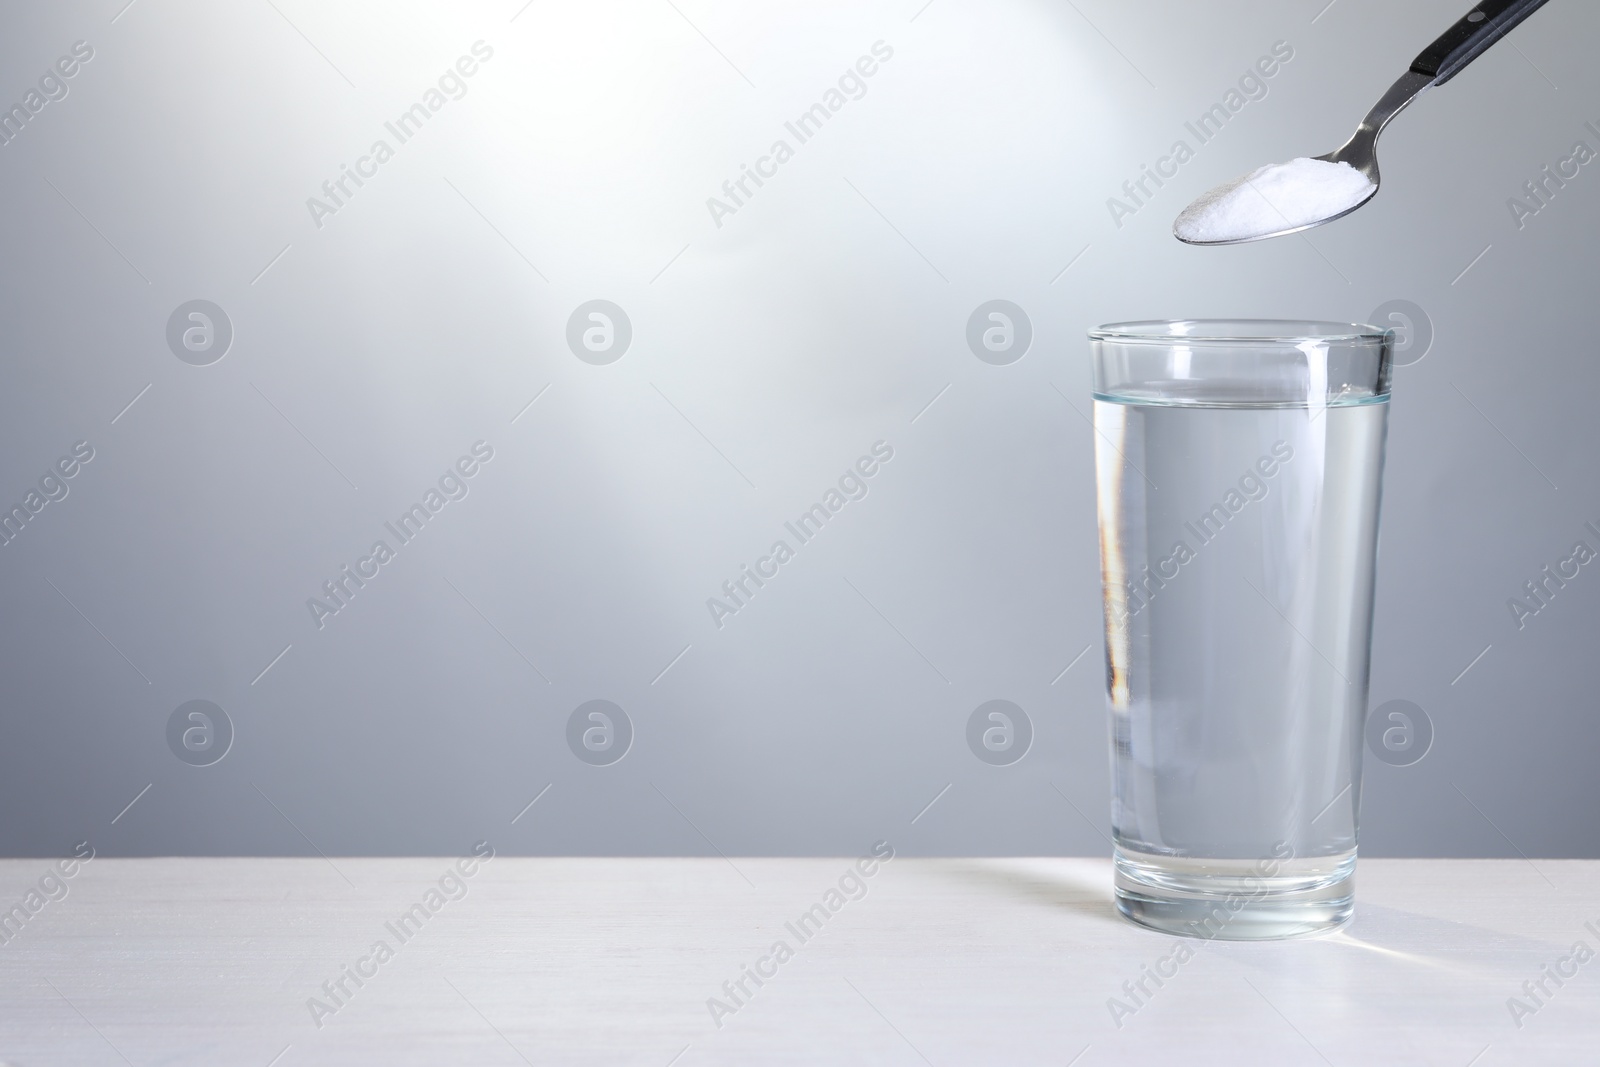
(1238, 469)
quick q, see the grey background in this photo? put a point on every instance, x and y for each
(767, 355)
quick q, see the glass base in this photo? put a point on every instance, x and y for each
(1235, 899)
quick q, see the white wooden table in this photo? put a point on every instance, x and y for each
(613, 961)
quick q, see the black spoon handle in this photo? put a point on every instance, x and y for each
(1471, 37)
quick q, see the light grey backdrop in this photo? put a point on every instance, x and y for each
(774, 341)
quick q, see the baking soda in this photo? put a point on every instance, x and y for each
(1279, 196)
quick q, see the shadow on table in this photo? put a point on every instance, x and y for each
(1051, 883)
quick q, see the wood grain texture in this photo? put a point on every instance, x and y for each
(612, 961)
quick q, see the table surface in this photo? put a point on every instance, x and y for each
(623, 961)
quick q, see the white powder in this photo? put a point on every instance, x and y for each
(1279, 196)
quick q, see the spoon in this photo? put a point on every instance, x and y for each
(1439, 62)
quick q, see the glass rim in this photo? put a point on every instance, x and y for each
(1291, 332)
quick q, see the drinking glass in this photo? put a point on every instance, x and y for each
(1238, 470)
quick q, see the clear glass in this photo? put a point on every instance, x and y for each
(1238, 470)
